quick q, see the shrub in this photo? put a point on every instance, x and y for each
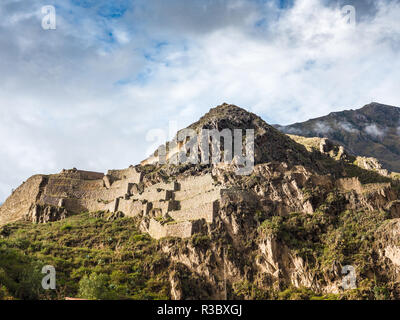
(96, 287)
(66, 227)
(260, 216)
(91, 246)
(296, 294)
(201, 241)
(249, 291)
(272, 226)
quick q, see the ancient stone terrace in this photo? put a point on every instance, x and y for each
(177, 208)
(173, 209)
(79, 191)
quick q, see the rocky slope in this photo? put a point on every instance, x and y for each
(285, 231)
(372, 131)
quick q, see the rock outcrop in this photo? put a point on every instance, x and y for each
(46, 213)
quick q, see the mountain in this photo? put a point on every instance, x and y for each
(269, 143)
(372, 131)
(287, 230)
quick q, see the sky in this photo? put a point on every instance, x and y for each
(92, 92)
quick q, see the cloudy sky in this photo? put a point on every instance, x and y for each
(88, 94)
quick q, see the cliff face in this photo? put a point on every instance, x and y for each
(308, 209)
(372, 131)
(18, 204)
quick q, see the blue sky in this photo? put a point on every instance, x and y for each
(87, 94)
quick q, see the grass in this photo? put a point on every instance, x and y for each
(88, 253)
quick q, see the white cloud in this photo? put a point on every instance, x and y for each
(322, 128)
(347, 127)
(86, 94)
(374, 131)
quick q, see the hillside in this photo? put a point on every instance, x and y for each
(372, 131)
(181, 231)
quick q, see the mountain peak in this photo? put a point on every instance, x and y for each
(228, 116)
(269, 143)
(371, 131)
(381, 106)
(375, 109)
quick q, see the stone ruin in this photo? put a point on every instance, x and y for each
(178, 208)
(174, 209)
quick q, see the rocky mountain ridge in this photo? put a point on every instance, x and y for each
(308, 209)
(372, 131)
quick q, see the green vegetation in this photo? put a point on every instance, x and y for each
(66, 227)
(165, 220)
(97, 286)
(201, 241)
(94, 259)
(365, 176)
(249, 291)
(325, 240)
(311, 144)
(322, 239)
(293, 293)
(19, 275)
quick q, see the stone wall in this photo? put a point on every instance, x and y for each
(81, 174)
(354, 184)
(131, 208)
(205, 211)
(81, 195)
(157, 230)
(78, 190)
(204, 182)
(189, 203)
(195, 200)
(130, 174)
(180, 230)
(81, 205)
(186, 201)
(153, 194)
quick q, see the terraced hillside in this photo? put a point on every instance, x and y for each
(198, 231)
